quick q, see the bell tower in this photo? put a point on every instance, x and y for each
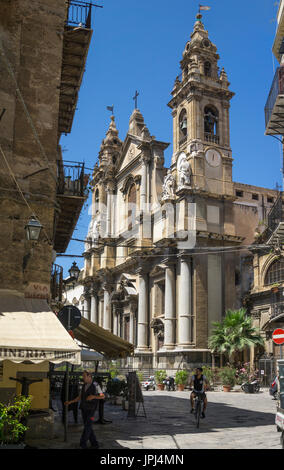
(200, 108)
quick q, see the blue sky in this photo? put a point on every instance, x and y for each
(138, 45)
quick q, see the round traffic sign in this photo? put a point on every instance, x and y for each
(278, 336)
(70, 317)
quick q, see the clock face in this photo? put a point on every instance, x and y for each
(213, 157)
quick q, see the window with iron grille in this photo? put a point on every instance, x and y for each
(275, 272)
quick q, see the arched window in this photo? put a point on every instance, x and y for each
(275, 272)
(211, 128)
(131, 206)
(207, 69)
(182, 126)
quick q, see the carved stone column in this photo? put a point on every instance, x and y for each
(170, 307)
(109, 214)
(86, 304)
(116, 318)
(143, 188)
(132, 323)
(94, 317)
(143, 311)
(107, 308)
(185, 302)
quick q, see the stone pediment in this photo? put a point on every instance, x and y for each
(129, 152)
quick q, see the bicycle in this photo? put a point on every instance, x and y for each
(198, 402)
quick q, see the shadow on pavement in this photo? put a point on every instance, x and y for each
(167, 416)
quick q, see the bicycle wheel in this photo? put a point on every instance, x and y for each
(197, 412)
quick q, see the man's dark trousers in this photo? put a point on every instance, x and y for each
(88, 433)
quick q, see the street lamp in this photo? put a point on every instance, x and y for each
(33, 229)
(74, 271)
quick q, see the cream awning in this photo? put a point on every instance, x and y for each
(101, 340)
(30, 331)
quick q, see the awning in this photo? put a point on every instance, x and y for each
(30, 331)
(101, 340)
(89, 355)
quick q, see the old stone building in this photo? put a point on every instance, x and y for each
(43, 51)
(165, 254)
(267, 295)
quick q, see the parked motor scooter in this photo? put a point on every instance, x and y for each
(170, 384)
(252, 387)
(149, 384)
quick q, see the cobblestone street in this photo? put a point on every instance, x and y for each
(233, 421)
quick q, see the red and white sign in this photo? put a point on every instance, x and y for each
(278, 336)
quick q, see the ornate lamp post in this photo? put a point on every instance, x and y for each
(33, 229)
(74, 271)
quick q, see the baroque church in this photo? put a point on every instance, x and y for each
(166, 252)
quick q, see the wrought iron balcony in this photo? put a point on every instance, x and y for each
(76, 41)
(71, 195)
(72, 180)
(277, 310)
(56, 283)
(275, 222)
(274, 108)
(79, 14)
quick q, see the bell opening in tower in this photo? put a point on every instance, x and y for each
(211, 131)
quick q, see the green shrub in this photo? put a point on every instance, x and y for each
(181, 377)
(210, 374)
(160, 376)
(116, 387)
(228, 376)
(113, 370)
(12, 428)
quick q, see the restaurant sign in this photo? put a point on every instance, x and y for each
(38, 355)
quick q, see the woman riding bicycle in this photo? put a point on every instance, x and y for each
(199, 384)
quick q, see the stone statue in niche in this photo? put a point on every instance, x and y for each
(184, 172)
(96, 228)
(168, 187)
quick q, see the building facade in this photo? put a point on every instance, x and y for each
(267, 294)
(43, 51)
(166, 252)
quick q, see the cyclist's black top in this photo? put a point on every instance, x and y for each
(198, 384)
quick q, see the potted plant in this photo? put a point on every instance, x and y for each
(12, 419)
(160, 376)
(115, 390)
(228, 378)
(181, 379)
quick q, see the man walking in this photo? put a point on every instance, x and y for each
(89, 393)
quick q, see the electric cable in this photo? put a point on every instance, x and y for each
(22, 194)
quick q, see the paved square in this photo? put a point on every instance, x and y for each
(234, 420)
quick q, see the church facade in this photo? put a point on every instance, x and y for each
(165, 255)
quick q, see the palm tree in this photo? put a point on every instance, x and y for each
(234, 334)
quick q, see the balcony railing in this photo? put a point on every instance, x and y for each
(212, 138)
(79, 14)
(276, 214)
(56, 283)
(72, 180)
(277, 309)
(274, 108)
